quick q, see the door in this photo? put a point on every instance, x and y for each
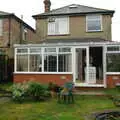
(81, 65)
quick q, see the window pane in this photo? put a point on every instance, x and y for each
(63, 26)
(50, 49)
(65, 63)
(113, 62)
(93, 23)
(22, 50)
(51, 28)
(35, 50)
(22, 63)
(64, 49)
(35, 63)
(50, 63)
(113, 48)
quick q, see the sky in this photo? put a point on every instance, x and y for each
(27, 8)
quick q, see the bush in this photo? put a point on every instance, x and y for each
(54, 87)
(29, 89)
(37, 91)
(19, 91)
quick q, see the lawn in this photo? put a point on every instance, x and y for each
(51, 110)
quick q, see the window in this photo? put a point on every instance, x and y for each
(46, 59)
(35, 63)
(50, 63)
(22, 63)
(113, 48)
(25, 34)
(113, 58)
(113, 62)
(64, 63)
(93, 23)
(58, 26)
(1, 27)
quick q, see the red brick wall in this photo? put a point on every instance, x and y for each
(59, 79)
(112, 80)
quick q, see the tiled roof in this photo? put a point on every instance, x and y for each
(7, 15)
(75, 9)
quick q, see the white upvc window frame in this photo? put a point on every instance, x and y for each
(112, 52)
(56, 27)
(42, 53)
(87, 20)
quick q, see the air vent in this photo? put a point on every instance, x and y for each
(51, 19)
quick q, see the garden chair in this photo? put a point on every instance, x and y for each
(66, 94)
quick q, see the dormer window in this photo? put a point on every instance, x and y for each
(58, 25)
(93, 23)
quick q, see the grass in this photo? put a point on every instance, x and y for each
(6, 86)
(112, 91)
(51, 110)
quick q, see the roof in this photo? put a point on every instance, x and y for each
(6, 14)
(71, 42)
(74, 9)
(74, 40)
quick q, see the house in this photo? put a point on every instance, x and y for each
(76, 46)
(13, 30)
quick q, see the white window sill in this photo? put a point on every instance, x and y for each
(90, 31)
(113, 73)
(43, 72)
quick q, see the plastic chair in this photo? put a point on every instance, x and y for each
(66, 94)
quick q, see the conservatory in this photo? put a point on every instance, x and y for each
(87, 64)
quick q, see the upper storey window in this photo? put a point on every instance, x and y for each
(58, 25)
(93, 23)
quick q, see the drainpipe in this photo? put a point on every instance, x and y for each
(9, 36)
(21, 29)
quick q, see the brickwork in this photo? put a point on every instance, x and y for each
(59, 79)
(112, 80)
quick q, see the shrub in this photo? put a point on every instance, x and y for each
(19, 91)
(37, 91)
(54, 87)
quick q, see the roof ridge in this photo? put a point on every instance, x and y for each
(4, 12)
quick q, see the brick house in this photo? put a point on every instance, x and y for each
(75, 45)
(13, 30)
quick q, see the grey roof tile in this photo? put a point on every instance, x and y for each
(75, 9)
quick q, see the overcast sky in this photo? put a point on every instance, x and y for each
(27, 8)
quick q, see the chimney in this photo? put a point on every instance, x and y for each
(47, 5)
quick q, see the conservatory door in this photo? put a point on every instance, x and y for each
(81, 65)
